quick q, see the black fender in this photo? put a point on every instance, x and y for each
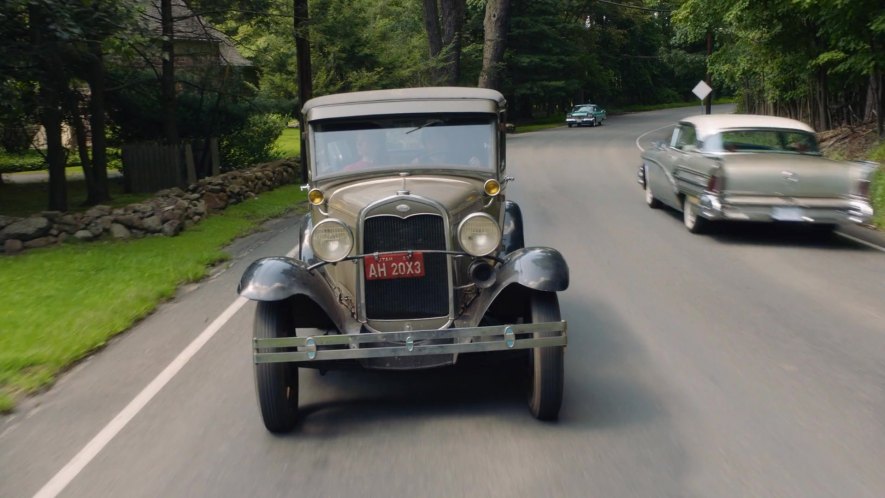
(512, 237)
(278, 278)
(535, 268)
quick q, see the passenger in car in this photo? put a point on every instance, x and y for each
(370, 149)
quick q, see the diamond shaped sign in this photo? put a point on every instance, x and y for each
(702, 89)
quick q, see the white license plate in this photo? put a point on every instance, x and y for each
(787, 213)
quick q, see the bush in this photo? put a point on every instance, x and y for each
(30, 160)
(253, 143)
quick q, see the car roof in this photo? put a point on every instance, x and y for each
(404, 101)
(709, 124)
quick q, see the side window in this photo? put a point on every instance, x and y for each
(685, 136)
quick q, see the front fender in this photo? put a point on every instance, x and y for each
(536, 268)
(278, 278)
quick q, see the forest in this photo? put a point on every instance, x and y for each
(174, 70)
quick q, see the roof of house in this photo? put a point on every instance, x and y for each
(189, 26)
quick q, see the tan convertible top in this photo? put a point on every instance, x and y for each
(404, 101)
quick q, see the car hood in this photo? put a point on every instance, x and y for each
(454, 194)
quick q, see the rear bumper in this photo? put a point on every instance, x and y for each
(850, 210)
(308, 351)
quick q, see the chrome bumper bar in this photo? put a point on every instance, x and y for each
(408, 343)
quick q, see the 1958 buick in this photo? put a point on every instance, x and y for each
(753, 168)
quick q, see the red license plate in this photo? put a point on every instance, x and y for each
(396, 265)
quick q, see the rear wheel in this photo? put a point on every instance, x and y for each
(546, 365)
(276, 383)
(690, 217)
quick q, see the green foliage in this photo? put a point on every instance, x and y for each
(289, 143)
(100, 289)
(28, 160)
(253, 143)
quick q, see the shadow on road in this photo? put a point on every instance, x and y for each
(774, 234)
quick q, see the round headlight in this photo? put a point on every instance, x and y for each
(479, 234)
(331, 240)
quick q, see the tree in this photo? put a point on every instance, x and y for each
(444, 20)
(497, 15)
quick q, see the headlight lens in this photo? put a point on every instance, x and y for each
(479, 234)
(331, 240)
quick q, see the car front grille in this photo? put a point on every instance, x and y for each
(408, 298)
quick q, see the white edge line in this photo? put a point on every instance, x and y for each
(76, 465)
(64, 476)
(861, 241)
(650, 131)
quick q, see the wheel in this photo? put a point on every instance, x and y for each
(276, 384)
(546, 365)
(650, 199)
(570, 125)
(693, 222)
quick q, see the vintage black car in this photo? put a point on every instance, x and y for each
(409, 255)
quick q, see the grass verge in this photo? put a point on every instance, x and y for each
(62, 303)
(288, 144)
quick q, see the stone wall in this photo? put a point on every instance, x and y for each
(168, 213)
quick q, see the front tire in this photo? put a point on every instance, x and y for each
(694, 222)
(546, 365)
(650, 198)
(276, 384)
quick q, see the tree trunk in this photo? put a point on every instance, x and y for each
(51, 118)
(305, 74)
(75, 117)
(495, 29)
(444, 38)
(170, 118)
(98, 191)
(52, 81)
(452, 12)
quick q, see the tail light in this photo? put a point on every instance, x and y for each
(716, 184)
(863, 188)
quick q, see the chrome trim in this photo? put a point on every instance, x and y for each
(438, 210)
(383, 345)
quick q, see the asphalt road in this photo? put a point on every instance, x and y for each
(749, 362)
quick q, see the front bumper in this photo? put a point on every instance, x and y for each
(852, 210)
(311, 350)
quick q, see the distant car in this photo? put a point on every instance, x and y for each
(410, 255)
(585, 114)
(753, 168)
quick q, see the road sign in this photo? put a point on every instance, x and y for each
(702, 89)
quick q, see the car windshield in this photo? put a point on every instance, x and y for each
(456, 141)
(763, 140)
